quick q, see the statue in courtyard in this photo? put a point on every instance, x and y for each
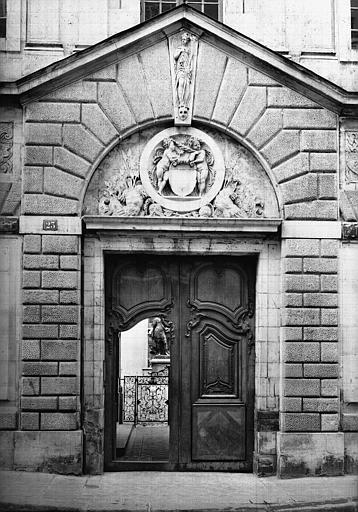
(160, 344)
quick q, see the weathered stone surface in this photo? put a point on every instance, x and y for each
(314, 454)
(301, 283)
(68, 403)
(252, 105)
(32, 243)
(59, 421)
(208, 80)
(266, 443)
(32, 179)
(112, 102)
(40, 331)
(40, 403)
(320, 265)
(351, 453)
(302, 247)
(40, 261)
(292, 333)
(30, 386)
(291, 404)
(321, 404)
(329, 248)
(327, 186)
(58, 314)
(329, 387)
(319, 140)
(31, 314)
(60, 244)
(303, 188)
(350, 422)
(30, 421)
(309, 118)
(301, 316)
(61, 183)
(59, 279)
(77, 92)
(31, 279)
(329, 317)
(315, 210)
(323, 162)
(294, 352)
(69, 331)
(8, 420)
(283, 97)
(49, 205)
(293, 370)
(298, 422)
(59, 385)
(257, 78)
(40, 296)
(30, 349)
(69, 369)
(38, 155)
(329, 283)
(39, 368)
(94, 119)
(233, 85)
(329, 422)
(266, 127)
(64, 159)
(42, 111)
(302, 387)
(43, 133)
(79, 140)
(321, 370)
(59, 350)
(293, 300)
(155, 62)
(69, 262)
(52, 452)
(320, 299)
(69, 297)
(329, 352)
(107, 73)
(295, 166)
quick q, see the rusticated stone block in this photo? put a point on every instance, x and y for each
(350, 422)
(38, 155)
(301, 316)
(60, 244)
(69, 262)
(320, 299)
(32, 244)
(320, 334)
(114, 105)
(321, 404)
(300, 422)
(40, 296)
(61, 183)
(283, 97)
(291, 404)
(320, 265)
(302, 283)
(257, 78)
(98, 123)
(30, 386)
(69, 331)
(292, 333)
(69, 297)
(67, 112)
(329, 387)
(57, 314)
(39, 368)
(293, 370)
(295, 166)
(81, 142)
(233, 84)
(329, 248)
(30, 421)
(327, 186)
(59, 350)
(32, 179)
(329, 352)
(40, 261)
(329, 422)
(69, 369)
(30, 350)
(79, 91)
(315, 210)
(309, 118)
(42, 204)
(59, 279)
(40, 133)
(250, 108)
(269, 124)
(302, 247)
(293, 300)
(59, 385)
(59, 421)
(31, 279)
(302, 387)
(282, 147)
(329, 317)
(319, 140)
(39, 331)
(302, 352)
(303, 188)
(293, 265)
(39, 403)
(64, 159)
(320, 370)
(329, 283)
(31, 314)
(323, 162)
(68, 403)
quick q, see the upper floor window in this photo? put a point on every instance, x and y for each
(354, 23)
(2, 18)
(151, 8)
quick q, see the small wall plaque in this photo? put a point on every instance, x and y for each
(50, 225)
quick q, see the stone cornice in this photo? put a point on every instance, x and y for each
(116, 47)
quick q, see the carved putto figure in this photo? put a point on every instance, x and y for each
(183, 66)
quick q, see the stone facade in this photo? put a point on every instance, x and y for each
(294, 135)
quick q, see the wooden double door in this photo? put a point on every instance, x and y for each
(207, 306)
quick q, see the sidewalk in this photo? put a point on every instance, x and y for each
(156, 491)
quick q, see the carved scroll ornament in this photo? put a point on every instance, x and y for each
(351, 157)
(6, 145)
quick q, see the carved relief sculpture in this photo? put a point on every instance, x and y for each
(351, 157)
(183, 61)
(6, 145)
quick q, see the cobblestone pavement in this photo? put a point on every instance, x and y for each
(157, 491)
(148, 443)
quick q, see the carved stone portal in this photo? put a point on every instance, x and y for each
(351, 157)
(180, 172)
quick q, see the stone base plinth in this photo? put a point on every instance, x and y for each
(160, 363)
